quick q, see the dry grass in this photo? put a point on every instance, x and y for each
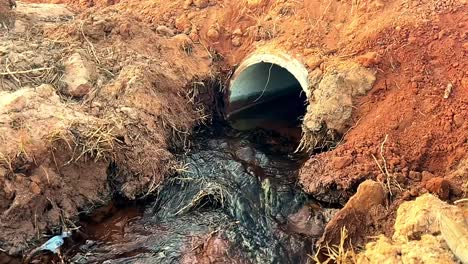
(7, 161)
(339, 254)
(92, 140)
(390, 179)
(96, 141)
(211, 191)
(14, 75)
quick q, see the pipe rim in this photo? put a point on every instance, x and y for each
(292, 65)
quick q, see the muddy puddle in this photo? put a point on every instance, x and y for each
(234, 199)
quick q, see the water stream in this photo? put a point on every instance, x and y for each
(234, 199)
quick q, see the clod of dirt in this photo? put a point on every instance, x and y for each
(420, 216)
(360, 216)
(427, 250)
(439, 186)
(201, 3)
(79, 75)
(369, 59)
(213, 34)
(7, 17)
(331, 106)
(417, 237)
(165, 31)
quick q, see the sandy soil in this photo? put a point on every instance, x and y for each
(403, 126)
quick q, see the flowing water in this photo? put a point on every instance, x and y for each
(234, 199)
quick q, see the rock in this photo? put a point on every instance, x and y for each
(236, 41)
(237, 32)
(213, 34)
(342, 162)
(426, 176)
(78, 76)
(308, 221)
(414, 175)
(34, 188)
(165, 31)
(419, 235)
(439, 186)
(314, 62)
(332, 102)
(369, 59)
(187, 4)
(359, 213)
(201, 3)
(427, 250)
(420, 216)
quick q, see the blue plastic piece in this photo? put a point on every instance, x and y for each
(55, 243)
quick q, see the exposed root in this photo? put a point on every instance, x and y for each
(390, 180)
(25, 71)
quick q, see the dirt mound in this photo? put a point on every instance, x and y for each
(66, 149)
(409, 132)
(43, 179)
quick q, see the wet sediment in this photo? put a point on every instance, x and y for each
(234, 198)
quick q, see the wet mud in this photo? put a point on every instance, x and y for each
(233, 199)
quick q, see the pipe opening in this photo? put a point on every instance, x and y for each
(266, 95)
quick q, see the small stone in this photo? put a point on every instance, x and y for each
(213, 34)
(414, 192)
(439, 186)
(342, 162)
(448, 91)
(187, 4)
(426, 176)
(369, 59)
(201, 3)
(237, 32)
(34, 188)
(165, 31)
(414, 175)
(237, 41)
(78, 75)
(458, 120)
(465, 46)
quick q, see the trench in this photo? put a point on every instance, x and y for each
(235, 198)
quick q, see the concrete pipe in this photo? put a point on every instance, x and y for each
(268, 90)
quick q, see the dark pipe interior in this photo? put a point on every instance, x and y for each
(267, 96)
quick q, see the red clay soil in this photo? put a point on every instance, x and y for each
(79, 4)
(419, 52)
(422, 134)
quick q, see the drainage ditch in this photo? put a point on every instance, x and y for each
(234, 198)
